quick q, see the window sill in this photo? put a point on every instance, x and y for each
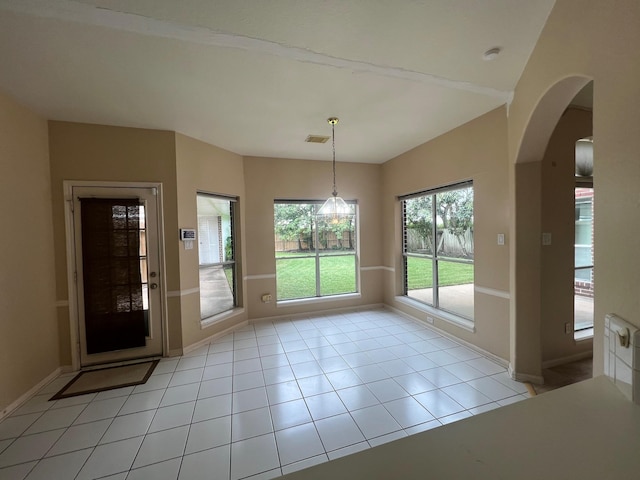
(582, 335)
(447, 317)
(308, 301)
(221, 317)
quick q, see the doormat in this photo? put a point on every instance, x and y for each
(109, 378)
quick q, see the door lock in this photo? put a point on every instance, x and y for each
(153, 286)
(153, 274)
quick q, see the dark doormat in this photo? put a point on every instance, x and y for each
(109, 378)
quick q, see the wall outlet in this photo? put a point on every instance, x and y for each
(501, 239)
(567, 328)
(430, 320)
(266, 298)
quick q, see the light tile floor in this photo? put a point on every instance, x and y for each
(263, 401)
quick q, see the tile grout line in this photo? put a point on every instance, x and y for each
(320, 323)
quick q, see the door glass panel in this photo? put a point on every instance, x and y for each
(113, 292)
(143, 267)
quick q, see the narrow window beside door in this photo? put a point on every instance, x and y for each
(216, 253)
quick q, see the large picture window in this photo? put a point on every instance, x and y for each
(437, 232)
(216, 254)
(315, 255)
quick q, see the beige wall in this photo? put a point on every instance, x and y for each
(205, 168)
(28, 324)
(599, 42)
(501, 153)
(114, 154)
(476, 151)
(558, 218)
(267, 179)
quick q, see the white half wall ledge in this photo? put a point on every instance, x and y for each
(622, 355)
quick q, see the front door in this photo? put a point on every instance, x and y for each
(117, 273)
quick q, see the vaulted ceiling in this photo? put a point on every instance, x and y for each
(257, 76)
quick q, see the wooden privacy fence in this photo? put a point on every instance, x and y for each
(448, 244)
(327, 241)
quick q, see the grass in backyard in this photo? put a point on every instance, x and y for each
(420, 273)
(296, 277)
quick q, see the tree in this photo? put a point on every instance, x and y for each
(326, 226)
(294, 221)
(454, 213)
(419, 218)
(455, 210)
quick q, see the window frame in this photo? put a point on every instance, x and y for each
(434, 257)
(317, 255)
(233, 214)
(583, 184)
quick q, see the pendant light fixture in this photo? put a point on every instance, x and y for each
(335, 207)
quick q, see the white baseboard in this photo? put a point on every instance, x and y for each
(525, 377)
(499, 360)
(198, 344)
(290, 316)
(569, 359)
(204, 341)
(33, 390)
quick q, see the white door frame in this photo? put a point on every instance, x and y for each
(68, 186)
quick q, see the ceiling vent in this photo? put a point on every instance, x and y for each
(317, 139)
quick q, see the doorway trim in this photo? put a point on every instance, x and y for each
(68, 186)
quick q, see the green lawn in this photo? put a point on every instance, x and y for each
(420, 273)
(296, 278)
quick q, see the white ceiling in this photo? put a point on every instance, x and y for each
(257, 76)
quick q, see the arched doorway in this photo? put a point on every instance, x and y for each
(527, 228)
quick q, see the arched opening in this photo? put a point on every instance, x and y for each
(538, 316)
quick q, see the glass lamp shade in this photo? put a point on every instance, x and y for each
(335, 207)
(584, 158)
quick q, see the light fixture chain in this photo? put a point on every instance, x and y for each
(333, 134)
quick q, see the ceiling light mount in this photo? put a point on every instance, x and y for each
(491, 54)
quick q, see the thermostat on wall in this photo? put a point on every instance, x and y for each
(187, 234)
